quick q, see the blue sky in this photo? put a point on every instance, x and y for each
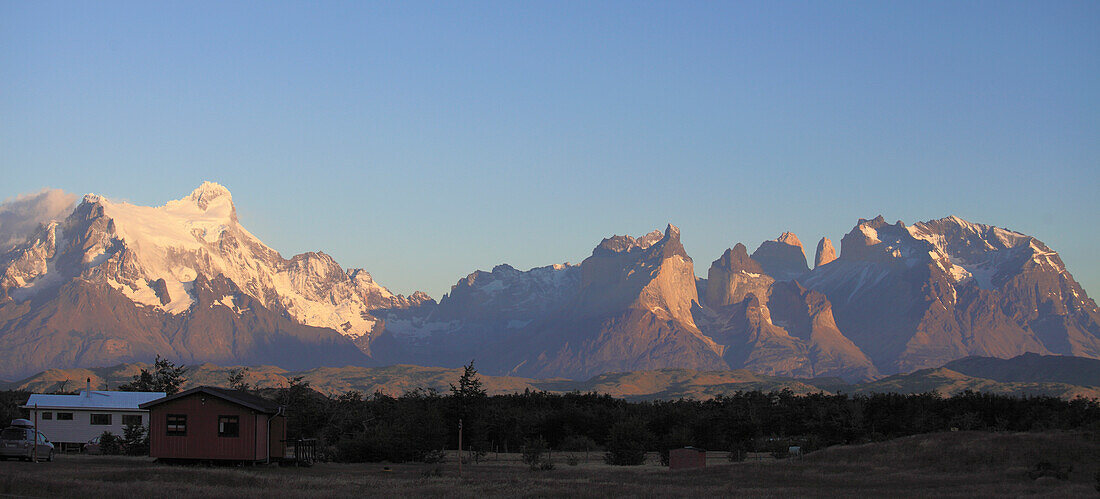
(422, 141)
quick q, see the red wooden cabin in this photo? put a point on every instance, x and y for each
(210, 423)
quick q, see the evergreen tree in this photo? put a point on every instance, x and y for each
(166, 377)
(237, 377)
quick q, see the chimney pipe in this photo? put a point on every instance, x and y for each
(88, 387)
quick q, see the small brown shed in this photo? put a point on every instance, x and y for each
(216, 424)
(687, 458)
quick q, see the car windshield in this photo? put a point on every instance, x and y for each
(13, 434)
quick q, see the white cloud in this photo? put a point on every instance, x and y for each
(21, 215)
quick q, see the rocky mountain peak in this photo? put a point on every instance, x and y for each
(649, 239)
(615, 244)
(874, 223)
(504, 268)
(209, 191)
(737, 259)
(877, 240)
(790, 239)
(825, 252)
(663, 245)
(670, 244)
(782, 257)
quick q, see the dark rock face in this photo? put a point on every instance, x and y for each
(782, 258)
(733, 276)
(160, 287)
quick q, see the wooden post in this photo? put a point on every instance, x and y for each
(459, 447)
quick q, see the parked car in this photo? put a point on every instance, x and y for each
(20, 440)
(92, 447)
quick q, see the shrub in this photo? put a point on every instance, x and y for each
(626, 444)
(135, 440)
(574, 460)
(435, 456)
(534, 455)
(1047, 468)
(383, 443)
(110, 444)
(577, 443)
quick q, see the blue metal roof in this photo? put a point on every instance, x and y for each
(93, 400)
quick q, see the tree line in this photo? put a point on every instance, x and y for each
(415, 426)
(420, 424)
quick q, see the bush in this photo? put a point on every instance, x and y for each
(1047, 468)
(578, 443)
(110, 444)
(385, 443)
(135, 440)
(435, 456)
(626, 444)
(574, 460)
(534, 455)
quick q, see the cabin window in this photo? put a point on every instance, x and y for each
(64, 416)
(131, 419)
(101, 419)
(47, 415)
(228, 426)
(177, 425)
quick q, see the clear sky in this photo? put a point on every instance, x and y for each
(423, 141)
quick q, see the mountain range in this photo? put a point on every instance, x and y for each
(112, 283)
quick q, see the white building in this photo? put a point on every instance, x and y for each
(76, 419)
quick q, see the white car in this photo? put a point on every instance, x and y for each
(20, 440)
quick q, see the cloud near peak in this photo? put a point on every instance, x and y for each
(22, 214)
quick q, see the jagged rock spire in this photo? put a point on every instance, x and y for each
(825, 252)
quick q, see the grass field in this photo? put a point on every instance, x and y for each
(961, 464)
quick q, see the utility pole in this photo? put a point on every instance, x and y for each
(35, 443)
(459, 447)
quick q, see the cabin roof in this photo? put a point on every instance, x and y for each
(235, 396)
(93, 399)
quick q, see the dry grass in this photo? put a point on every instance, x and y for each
(963, 464)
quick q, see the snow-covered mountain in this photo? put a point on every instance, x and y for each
(113, 282)
(154, 256)
(919, 296)
(897, 298)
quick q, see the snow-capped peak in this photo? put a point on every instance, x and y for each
(153, 255)
(208, 192)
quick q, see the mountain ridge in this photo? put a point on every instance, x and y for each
(115, 282)
(659, 384)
